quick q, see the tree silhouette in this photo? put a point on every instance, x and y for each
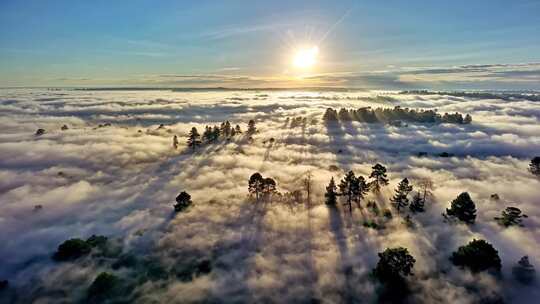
(477, 255)
(394, 265)
(226, 129)
(462, 208)
(349, 188)
(193, 139)
(417, 203)
(208, 135)
(251, 127)
(400, 199)
(269, 187)
(237, 129)
(175, 142)
(183, 201)
(524, 271)
(256, 185)
(425, 186)
(104, 286)
(330, 115)
(331, 194)
(378, 174)
(511, 216)
(534, 166)
(72, 249)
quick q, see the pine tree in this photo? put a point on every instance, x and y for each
(417, 203)
(226, 129)
(175, 142)
(511, 216)
(400, 199)
(380, 179)
(362, 189)
(462, 208)
(251, 127)
(216, 133)
(425, 185)
(194, 138)
(349, 188)
(207, 134)
(467, 119)
(256, 185)
(330, 115)
(534, 166)
(238, 130)
(331, 194)
(183, 201)
(477, 255)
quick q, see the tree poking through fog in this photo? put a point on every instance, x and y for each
(183, 201)
(524, 271)
(194, 139)
(261, 187)
(378, 174)
(395, 264)
(352, 188)
(511, 216)
(252, 129)
(330, 197)
(477, 255)
(462, 208)
(400, 199)
(534, 166)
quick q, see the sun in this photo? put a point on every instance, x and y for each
(306, 57)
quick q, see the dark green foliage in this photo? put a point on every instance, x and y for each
(125, 261)
(400, 199)
(183, 201)
(417, 203)
(97, 241)
(256, 184)
(194, 139)
(511, 216)
(372, 206)
(197, 267)
(72, 249)
(371, 224)
(64, 128)
(462, 208)
(524, 272)
(104, 287)
(208, 134)
(75, 248)
(394, 265)
(387, 213)
(396, 114)
(534, 166)
(252, 129)
(378, 174)
(331, 194)
(261, 186)
(40, 132)
(477, 256)
(352, 188)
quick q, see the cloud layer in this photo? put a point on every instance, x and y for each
(121, 181)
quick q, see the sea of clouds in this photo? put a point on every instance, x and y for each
(121, 181)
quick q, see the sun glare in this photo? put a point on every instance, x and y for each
(306, 57)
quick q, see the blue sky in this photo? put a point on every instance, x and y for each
(398, 44)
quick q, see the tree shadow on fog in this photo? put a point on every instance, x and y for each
(235, 259)
(338, 231)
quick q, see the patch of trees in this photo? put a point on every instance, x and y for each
(477, 256)
(183, 201)
(462, 208)
(40, 132)
(261, 187)
(393, 115)
(75, 248)
(212, 134)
